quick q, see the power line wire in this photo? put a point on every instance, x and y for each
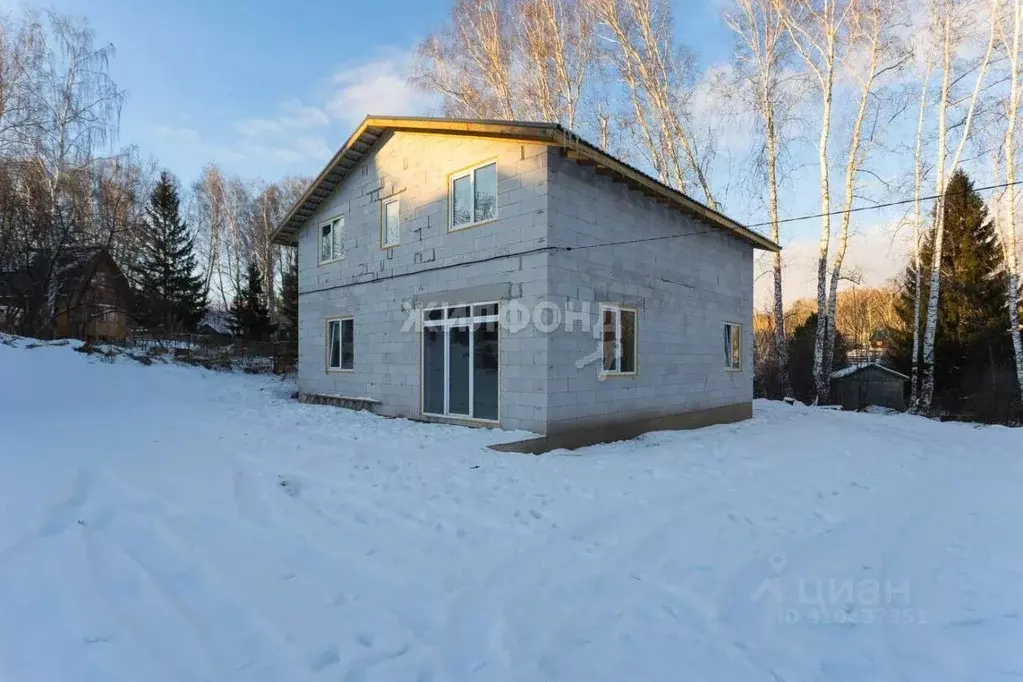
(875, 207)
(633, 241)
(372, 277)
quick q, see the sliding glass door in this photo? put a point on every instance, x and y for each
(461, 347)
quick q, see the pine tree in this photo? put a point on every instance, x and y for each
(250, 316)
(287, 309)
(170, 293)
(972, 331)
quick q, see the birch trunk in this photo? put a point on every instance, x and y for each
(820, 383)
(815, 33)
(854, 161)
(933, 294)
(1012, 295)
(781, 346)
(927, 385)
(914, 390)
(760, 54)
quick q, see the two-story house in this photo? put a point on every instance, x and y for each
(511, 274)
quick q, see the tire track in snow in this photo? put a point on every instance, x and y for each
(59, 515)
(582, 554)
(136, 552)
(815, 564)
(305, 523)
(944, 516)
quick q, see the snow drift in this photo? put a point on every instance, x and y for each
(172, 523)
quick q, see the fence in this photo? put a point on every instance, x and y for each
(216, 350)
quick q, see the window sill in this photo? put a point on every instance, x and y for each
(388, 247)
(617, 375)
(733, 369)
(332, 260)
(469, 226)
(338, 370)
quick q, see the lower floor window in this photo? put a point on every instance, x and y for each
(618, 340)
(341, 344)
(733, 346)
(461, 347)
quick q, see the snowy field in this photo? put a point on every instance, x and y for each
(169, 523)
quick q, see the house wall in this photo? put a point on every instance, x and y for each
(100, 311)
(684, 290)
(377, 286)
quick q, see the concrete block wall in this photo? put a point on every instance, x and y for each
(430, 265)
(684, 289)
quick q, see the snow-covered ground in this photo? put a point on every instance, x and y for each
(170, 523)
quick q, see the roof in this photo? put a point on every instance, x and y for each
(855, 369)
(75, 268)
(217, 320)
(373, 128)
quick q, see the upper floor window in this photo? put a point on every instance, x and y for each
(733, 346)
(473, 196)
(391, 223)
(332, 239)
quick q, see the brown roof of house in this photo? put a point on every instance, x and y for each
(373, 128)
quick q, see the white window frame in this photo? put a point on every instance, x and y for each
(340, 342)
(447, 324)
(617, 310)
(730, 366)
(396, 201)
(337, 236)
(471, 174)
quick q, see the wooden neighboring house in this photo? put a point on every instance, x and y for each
(216, 326)
(93, 297)
(869, 383)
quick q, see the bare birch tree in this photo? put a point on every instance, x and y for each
(210, 218)
(657, 76)
(1010, 22)
(761, 55)
(268, 210)
(514, 59)
(874, 52)
(819, 33)
(470, 62)
(80, 107)
(949, 16)
(917, 233)
(557, 42)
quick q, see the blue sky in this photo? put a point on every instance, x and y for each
(268, 89)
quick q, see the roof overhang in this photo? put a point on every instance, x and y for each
(373, 128)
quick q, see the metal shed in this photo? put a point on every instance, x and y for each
(870, 383)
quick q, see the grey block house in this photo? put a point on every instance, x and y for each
(510, 274)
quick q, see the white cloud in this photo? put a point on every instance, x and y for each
(715, 107)
(182, 136)
(298, 134)
(290, 151)
(296, 116)
(875, 254)
(379, 87)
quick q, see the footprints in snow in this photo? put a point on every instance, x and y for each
(362, 662)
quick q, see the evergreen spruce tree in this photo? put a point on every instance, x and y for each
(170, 293)
(972, 334)
(287, 310)
(800, 359)
(250, 316)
